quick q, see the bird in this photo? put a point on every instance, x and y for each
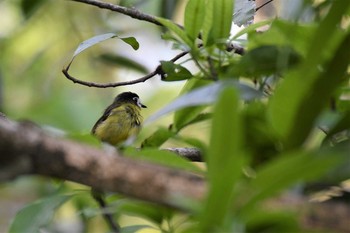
(121, 121)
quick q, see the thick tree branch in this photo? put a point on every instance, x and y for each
(26, 149)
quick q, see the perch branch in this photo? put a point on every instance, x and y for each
(27, 149)
(157, 71)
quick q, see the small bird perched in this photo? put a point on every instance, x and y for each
(121, 120)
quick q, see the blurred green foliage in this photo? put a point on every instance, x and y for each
(256, 147)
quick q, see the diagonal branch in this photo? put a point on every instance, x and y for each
(133, 13)
(27, 149)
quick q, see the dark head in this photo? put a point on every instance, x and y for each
(129, 97)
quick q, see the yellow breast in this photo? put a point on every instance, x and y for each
(123, 122)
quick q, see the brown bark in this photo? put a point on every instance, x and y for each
(26, 149)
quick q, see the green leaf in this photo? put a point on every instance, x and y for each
(174, 72)
(37, 215)
(163, 157)
(262, 220)
(285, 171)
(132, 42)
(160, 136)
(282, 33)
(178, 31)
(222, 21)
(251, 28)
(85, 138)
(266, 60)
(145, 210)
(194, 16)
(313, 94)
(198, 118)
(225, 160)
(135, 228)
(306, 90)
(208, 22)
(98, 39)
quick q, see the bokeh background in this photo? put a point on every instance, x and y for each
(38, 38)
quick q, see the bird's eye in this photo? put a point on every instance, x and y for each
(135, 99)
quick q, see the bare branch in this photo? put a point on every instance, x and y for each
(259, 7)
(157, 71)
(26, 149)
(133, 13)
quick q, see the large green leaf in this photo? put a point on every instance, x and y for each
(266, 60)
(291, 168)
(305, 91)
(282, 33)
(222, 20)
(37, 215)
(157, 138)
(177, 30)
(208, 22)
(174, 72)
(194, 16)
(225, 160)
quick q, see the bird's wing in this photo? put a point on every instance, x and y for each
(104, 116)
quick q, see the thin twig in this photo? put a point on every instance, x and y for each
(132, 12)
(157, 71)
(99, 198)
(258, 8)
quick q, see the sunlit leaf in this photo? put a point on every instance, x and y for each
(135, 228)
(208, 22)
(177, 30)
(160, 136)
(222, 20)
(145, 210)
(194, 16)
(252, 28)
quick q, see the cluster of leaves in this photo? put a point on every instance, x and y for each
(285, 91)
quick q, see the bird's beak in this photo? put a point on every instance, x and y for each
(140, 104)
